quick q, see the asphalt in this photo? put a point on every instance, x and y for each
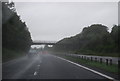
(45, 66)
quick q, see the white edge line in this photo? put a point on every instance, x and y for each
(87, 68)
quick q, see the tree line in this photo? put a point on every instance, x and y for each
(92, 39)
(15, 34)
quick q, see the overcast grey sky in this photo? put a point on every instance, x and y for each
(57, 20)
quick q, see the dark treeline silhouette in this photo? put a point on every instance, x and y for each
(92, 39)
(15, 34)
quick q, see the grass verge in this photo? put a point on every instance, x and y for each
(88, 52)
(109, 68)
(8, 55)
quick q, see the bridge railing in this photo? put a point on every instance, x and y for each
(39, 42)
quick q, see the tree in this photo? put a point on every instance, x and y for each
(115, 35)
(94, 38)
(15, 34)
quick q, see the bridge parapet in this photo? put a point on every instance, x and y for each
(39, 42)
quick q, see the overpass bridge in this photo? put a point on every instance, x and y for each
(44, 42)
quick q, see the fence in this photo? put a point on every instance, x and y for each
(101, 59)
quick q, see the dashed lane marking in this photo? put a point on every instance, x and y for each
(35, 73)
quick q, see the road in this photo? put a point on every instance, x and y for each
(45, 66)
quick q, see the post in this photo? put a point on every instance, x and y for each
(106, 61)
(110, 61)
(118, 63)
(95, 59)
(101, 60)
(82, 57)
(91, 59)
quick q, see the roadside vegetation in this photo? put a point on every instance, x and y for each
(11, 54)
(108, 68)
(16, 39)
(93, 40)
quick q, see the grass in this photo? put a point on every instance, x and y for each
(99, 54)
(89, 53)
(109, 68)
(105, 54)
(8, 55)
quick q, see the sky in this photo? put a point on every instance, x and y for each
(53, 21)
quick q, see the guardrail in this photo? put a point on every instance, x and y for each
(101, 59)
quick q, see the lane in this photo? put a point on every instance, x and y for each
(16, 68)
(46, 67)
(55, 68)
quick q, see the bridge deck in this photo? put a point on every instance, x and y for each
(44, 42)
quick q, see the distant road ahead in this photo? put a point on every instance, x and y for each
(45, 67)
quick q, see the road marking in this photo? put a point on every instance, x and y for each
(88, 69)
(37, 68)
(35, 73)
